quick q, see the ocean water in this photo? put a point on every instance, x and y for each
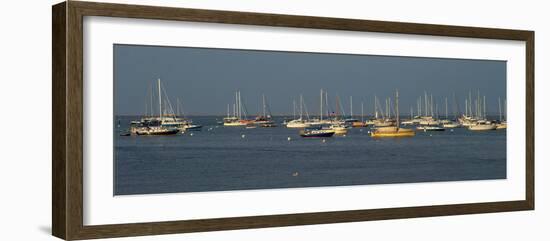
(219, 158)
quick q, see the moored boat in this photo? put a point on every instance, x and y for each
(451, 125)
(156, 130)
(316, 132)
(431, 128)
(239, 113)
(392, 131)
(297, 124)
(300, 122)
(339, 129)
(482, 127)
(396, 130)
(159, 125)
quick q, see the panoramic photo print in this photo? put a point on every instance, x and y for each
(190, 119)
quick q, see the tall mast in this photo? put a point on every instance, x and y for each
(432, 104)
(160, 101)
(470, 103)
(387, 108)
(301, 106)
(375, 107)
(240, 106)
(478, 104)
(397, 108)
(484, 108)
(228, 110)
(326, 104)
(426, 103)
(263, 102)
(419, 106)
(321, 106)
(152, 108)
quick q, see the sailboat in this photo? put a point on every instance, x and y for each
(452, 124)
(481, 123)
(339, 127)
(156, 126)
(316, 131)
(265, 120)
(300, 122)
(386, 119)
(396, 130)
(239, 113)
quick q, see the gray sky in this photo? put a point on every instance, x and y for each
(205, 80)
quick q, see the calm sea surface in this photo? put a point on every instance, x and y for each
(219, 158)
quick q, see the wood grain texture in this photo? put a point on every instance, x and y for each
(67, 80)
(59, 182)
(75, 125)
(530, 120)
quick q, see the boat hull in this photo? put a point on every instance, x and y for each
(297, 125)
(451, 125)
(234, 124)
(432, 128)
(157, 133)
(393, 133)
(317, 133)
(482, 127)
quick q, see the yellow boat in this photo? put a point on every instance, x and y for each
(393, 131)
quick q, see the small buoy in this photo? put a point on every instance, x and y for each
(295, 174)
(324, 140)
(361, 130)
(368, 132)
(430, 134)
(191, 134)
(243, 136)
(452, 130)
(344, 135)
(288, 138)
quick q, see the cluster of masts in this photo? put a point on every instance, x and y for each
(164, 120)
(385, 119)
(385, 122)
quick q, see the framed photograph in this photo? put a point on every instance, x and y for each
(171, 120)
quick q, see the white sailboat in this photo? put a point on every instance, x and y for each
(300, 122)
(239, 113)
(154, 126)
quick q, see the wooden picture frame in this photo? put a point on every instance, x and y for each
(67, 123)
